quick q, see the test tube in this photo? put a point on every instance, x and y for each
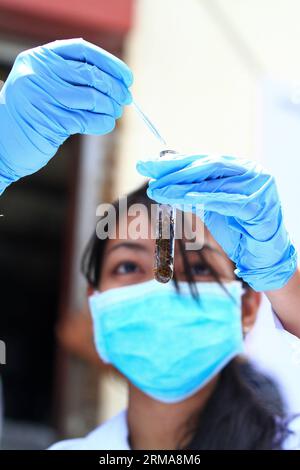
(165, 239)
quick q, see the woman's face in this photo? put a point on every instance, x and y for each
(130, 261)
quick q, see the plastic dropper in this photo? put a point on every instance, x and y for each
(148, 123)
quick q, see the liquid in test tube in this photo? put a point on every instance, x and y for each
(165, 239)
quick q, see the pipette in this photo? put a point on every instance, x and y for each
(148, 123)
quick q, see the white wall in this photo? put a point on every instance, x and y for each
(190, 80)
(198, 67)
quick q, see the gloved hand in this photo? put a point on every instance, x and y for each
(63, 88)
(241, 209)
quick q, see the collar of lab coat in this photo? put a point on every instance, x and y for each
(111, 435)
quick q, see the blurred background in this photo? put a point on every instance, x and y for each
(215, 76)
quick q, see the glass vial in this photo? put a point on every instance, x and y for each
(165, 239)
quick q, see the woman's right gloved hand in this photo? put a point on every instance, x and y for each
(53, 91)
(242, 210)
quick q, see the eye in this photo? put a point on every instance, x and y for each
(126, 267)
(199, 269)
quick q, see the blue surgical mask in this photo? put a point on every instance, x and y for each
(164, 342)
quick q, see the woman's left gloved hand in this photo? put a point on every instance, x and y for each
(53, 91)
(242, 210)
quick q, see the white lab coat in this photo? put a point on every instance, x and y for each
(112, 435)
(273, 350)
(276, 353)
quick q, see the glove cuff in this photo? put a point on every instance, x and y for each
(8, 135)
(273, 277)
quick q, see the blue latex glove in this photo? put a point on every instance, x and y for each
(241, 210)
(63, 88)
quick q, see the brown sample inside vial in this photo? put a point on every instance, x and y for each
(164, 255)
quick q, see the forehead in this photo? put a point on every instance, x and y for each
(141, 229)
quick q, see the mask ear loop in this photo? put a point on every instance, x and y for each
(244, 290)
(242, 286)
(95, 293)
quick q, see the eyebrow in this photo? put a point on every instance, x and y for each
(211, 248)
(138, 246)
(131, 245)
(206, 246)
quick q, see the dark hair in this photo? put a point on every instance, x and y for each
(245, 411)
